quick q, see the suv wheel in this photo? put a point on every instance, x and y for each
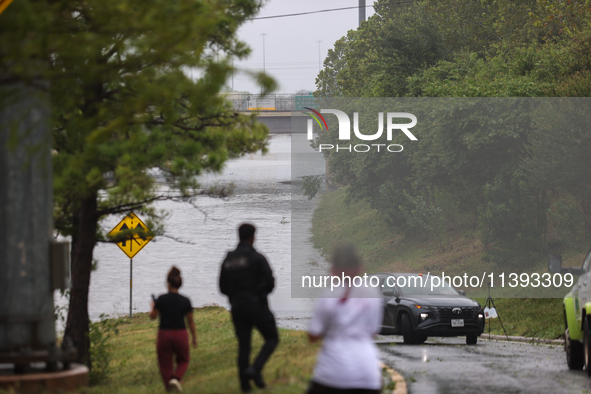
(471, 339)
(575, 354)
(407, 331)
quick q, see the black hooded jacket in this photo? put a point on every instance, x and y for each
(246, 275)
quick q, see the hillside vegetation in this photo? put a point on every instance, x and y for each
(384, 250)
(499, 172)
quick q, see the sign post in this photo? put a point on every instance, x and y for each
(130, 285)
(137, 236)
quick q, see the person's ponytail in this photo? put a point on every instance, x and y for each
(174, 278)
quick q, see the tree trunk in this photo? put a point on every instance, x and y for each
(82, 248)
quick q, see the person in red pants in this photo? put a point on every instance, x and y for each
(172, 334)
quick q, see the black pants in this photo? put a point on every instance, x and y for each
(246, 315)
(317, 388)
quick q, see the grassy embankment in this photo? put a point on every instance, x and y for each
(383, 250)
(134, 368)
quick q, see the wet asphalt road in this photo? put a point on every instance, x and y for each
(448, 365)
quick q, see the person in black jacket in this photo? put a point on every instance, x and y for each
(247, 279)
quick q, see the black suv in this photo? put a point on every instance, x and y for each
(416, 309)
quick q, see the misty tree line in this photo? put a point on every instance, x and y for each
(517, 168)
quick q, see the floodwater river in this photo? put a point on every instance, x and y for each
(263, 196)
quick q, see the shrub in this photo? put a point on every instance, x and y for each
(100, 347)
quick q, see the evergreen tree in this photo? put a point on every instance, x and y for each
(124, 109)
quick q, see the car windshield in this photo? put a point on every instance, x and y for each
(423, 285)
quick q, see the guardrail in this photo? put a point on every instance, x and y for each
(271, 102)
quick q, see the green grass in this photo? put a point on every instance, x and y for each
(384, 250)
(531, 317)
(212, 369)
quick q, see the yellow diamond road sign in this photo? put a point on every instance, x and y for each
(4, 4)
(138, 235)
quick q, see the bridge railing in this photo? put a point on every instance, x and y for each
(272, 102)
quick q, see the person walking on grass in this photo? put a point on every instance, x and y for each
(172, 334)
(247, 279)
(346, 320)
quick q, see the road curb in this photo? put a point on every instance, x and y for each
(522, 339)
(498, 338)
(397, 378)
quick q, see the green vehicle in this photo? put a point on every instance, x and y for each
(577, 314)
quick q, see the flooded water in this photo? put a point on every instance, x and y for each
(263, 196)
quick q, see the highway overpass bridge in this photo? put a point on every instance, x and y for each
(280, 122)
(274, 110)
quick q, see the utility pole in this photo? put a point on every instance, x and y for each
(25, 191)
(361, 11)
(264, 34)
(264, 70)
(32, 265)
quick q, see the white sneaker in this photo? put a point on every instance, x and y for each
(175, 386)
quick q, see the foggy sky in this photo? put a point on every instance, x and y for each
(291, 47)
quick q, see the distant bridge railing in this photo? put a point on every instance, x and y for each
(271, 102)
